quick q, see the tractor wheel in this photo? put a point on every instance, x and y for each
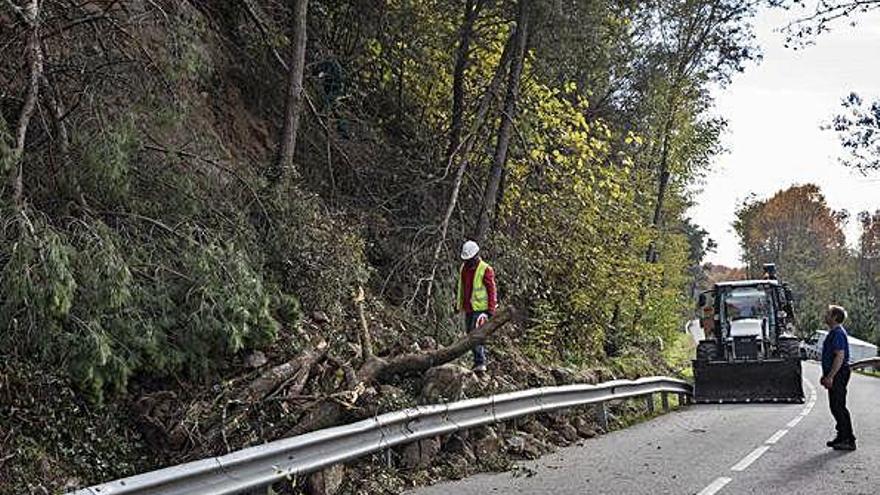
(789, 348)
(706, 350)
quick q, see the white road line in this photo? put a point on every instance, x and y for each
(716, 486)
(749, 459)
(756, 454)
(776, 436)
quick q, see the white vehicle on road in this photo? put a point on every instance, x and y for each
(858, 349)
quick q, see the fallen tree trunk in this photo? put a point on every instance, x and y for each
(330, 411)
(382, 370)
(227, 420)
(207, 423)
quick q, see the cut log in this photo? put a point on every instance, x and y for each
(422, 361)
(291, 375)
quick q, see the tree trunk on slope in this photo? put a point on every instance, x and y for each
(295, 96)
(505, 129)
(662, 186)
(31, 15)
(462, 59)
(464, 159)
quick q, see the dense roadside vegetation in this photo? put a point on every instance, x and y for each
(172, 202)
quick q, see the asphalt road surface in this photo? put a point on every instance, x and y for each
(709, 449)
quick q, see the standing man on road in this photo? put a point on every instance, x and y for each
(476, 297)
(835, 377)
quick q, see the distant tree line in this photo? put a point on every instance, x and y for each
(797, 230)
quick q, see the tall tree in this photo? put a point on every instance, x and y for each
(34, 55)
(462, 57)
(797, 230)
(295, 95)
(698, 40)
(868, 269)
(464, 157)
(505, 127)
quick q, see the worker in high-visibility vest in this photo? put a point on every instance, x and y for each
(477, 296)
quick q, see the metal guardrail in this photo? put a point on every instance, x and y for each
(258, 467)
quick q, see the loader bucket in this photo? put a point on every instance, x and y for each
(770, 380)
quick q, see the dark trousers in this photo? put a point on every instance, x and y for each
(837, 401)
(470, 322)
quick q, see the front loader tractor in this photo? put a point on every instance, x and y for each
(749, 353)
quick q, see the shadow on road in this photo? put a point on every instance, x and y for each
(812, 464)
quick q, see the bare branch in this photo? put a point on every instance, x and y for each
(215, 163)
(264, 31)
(802, 30)
(18, 11)
(365, 337)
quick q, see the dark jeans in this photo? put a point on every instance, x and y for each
(837, 401)
(470, 322)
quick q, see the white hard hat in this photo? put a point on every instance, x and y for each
(469, 250)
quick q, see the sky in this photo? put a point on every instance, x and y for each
(775, 110)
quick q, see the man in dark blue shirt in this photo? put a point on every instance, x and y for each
(835, 377)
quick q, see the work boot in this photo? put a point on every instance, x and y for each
(830, 443)
(845, 445)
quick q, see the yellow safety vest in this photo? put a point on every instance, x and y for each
(479, 294)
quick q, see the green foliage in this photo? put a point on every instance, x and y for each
(317, 257)
(581, 267)
(678, 354)
(861, 305)
(177, 256)
(105, 308)
(53, 435)
(105, 168)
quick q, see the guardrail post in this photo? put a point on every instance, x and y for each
(602, 416)
(649, 403)
(683, 400)
(664, 397)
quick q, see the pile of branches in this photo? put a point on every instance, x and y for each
(313, 390)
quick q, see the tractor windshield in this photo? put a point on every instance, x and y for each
(743, 303)
(754, 304)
